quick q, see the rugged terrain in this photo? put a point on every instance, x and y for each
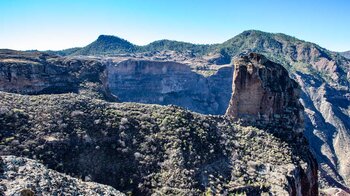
(197, 77)
(150, 149)
(147, 149)
(323, 76)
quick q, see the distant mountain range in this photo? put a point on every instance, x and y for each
(346, 54)
(295, 54)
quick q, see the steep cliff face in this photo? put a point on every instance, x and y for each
(262, 92)
(162, 82)
(265, 96)
(40, 73)
(30, 73)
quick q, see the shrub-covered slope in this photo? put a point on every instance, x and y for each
(147, 149)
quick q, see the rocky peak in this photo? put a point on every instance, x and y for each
(263, 92)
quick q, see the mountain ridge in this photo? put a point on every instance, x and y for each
(295, 54)
(345, 54)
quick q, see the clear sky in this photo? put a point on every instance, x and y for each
(60, 24)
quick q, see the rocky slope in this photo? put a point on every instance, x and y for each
(22, 176)
(154, 149)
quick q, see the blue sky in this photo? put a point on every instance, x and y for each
(59, 24)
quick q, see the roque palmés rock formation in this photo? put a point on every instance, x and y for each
(263, 93)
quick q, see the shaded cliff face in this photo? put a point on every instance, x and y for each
(162, 82)
(40, 73)
(262, 92)
(152, 149)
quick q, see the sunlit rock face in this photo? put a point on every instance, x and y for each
(262, 92)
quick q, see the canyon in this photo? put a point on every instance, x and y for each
(142, 145)
(199, 78)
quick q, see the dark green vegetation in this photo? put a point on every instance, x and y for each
(109, 45)
(106, 44)
(147, 149)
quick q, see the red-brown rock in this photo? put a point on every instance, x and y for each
(262, 92)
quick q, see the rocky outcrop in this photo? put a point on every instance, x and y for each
(262, 92)
(26, 177)
(265, 96)
(40, 73)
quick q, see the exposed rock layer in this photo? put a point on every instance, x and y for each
(262, 92)
(162, 82)
(39, 73)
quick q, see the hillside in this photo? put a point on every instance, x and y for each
(47, 181)
(106, 45)
(152, 148)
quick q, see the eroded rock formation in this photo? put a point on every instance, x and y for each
(262, 92)
(264, 95)
(167, 82)
(40, 73)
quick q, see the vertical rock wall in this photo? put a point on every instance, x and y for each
(264, 93)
